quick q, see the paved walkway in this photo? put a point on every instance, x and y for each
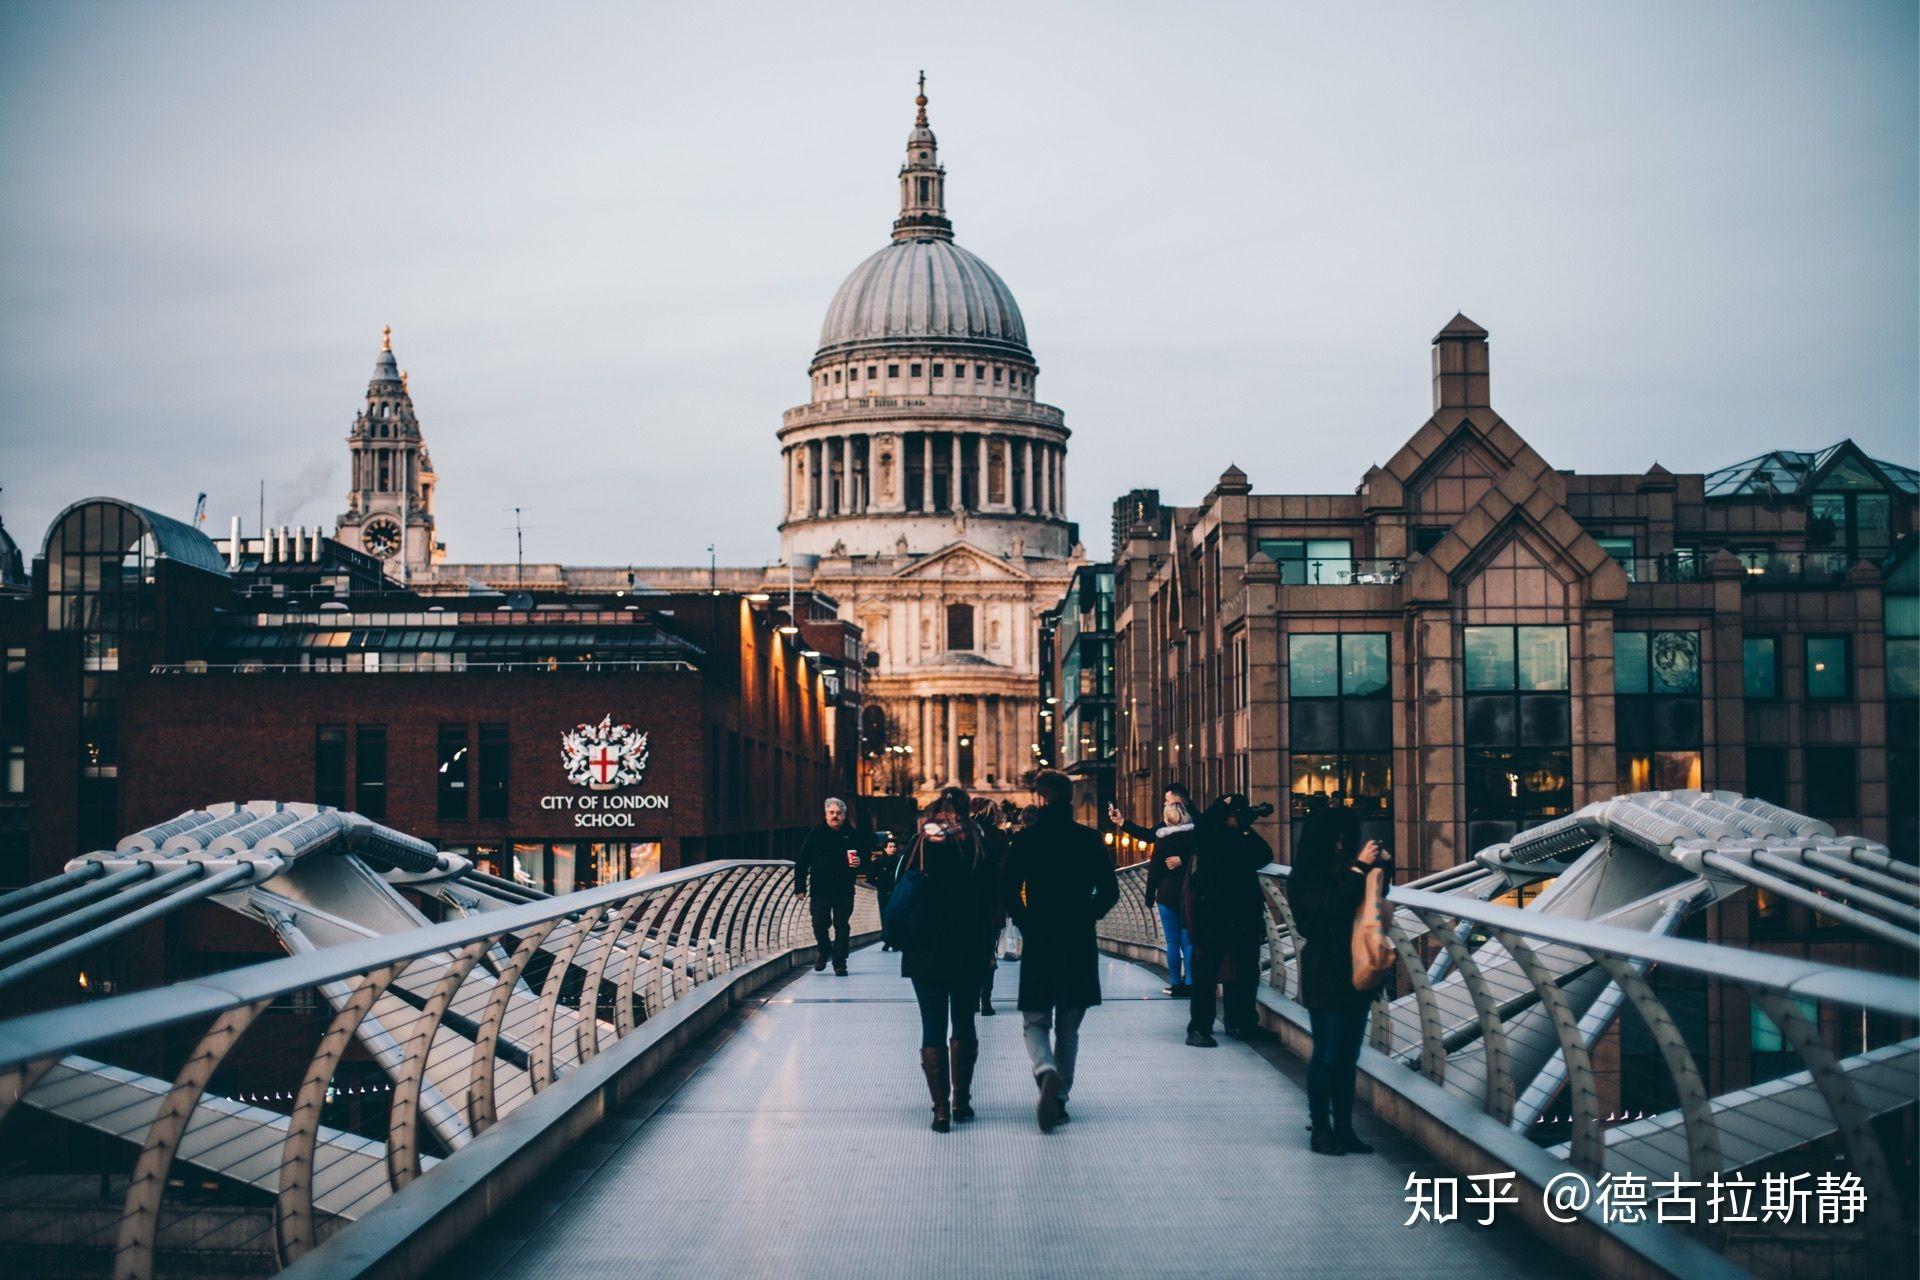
(795, 1144)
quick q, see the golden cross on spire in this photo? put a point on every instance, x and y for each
(920, 116)
(386, 337)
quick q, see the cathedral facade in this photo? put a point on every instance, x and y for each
(924, 490)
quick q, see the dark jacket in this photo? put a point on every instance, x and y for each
(1226, 907)
(1165, 887)
(822, 861)
(1324, 890)
(881, 871)
(1059, 882)
(963, 889)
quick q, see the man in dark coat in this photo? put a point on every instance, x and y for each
(1059, 882)
(824, 873)
(1228, 915)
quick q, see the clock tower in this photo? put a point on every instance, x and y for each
(390, 497)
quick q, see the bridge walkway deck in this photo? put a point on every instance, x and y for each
(794, 1142)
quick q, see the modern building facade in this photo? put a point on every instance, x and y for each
(1076, 728)
(560, 742)
(1473, 642)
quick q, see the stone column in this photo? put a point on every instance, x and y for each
(1060, 485)
(926, 471)
(923, 740)
(952, 771)
(844, 492)
(981, 460)
(955, 487)
(1010, 745)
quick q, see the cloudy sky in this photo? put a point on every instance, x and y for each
(605, 236)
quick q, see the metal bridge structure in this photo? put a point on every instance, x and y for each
(453, 1073)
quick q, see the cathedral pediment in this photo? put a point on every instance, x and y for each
(963, 560)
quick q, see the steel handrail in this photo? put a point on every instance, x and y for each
(35, 1036)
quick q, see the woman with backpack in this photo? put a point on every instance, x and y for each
(951, 873)
(1326, 887)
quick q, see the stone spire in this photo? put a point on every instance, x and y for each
(385, 367)
(923, 206)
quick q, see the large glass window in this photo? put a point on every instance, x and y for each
(370, 772)
(493, 772)
(1767, 775)
(1519, 730)
(330, 765)
(454, 767)
(1340, 726)
(1760, 667)
(1657, 713)
(1829, 667)
(1620, 549)
(1311, 561)
(1903, 646)
(13, 685)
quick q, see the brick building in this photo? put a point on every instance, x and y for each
(1473, 642)
(160, 670)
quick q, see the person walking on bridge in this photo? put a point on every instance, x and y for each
(947, 960)
(986, 816)
(1228, 916)
(1059, 882)
(882, 869)
(824, 872)
(1328, 882)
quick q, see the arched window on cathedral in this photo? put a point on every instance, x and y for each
(959, 626)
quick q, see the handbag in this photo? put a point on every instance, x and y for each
(1372, 949)
(910, 906)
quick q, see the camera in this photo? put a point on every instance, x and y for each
(1255, 812)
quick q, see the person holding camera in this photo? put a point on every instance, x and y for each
(947, 960)
(824, 873)
(1059, 883)
(1228, 917)
(1328, 882)
(882, 869)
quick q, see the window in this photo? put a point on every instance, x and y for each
(1657, 713)
(1620, 549)
(1310, 561)
(893, 371)
(979, 373)
(996, 373)
(13, 686)
(1903, 646)
(1828, 667)
(1767, 775)
(13, 770)
(370, 772)
(1426, 537)
(873, 371)
(1519, 730)
(454, 766)
(959, 626)
(939, 370)
(493, 772)
(1831, 782)
(330, 765)
(1340, 726)
(1760, 669)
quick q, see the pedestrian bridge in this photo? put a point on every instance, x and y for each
(455, 1075)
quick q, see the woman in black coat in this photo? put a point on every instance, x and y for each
(882, 867)
(948, 960)
(1228, 916)
(1327, 885)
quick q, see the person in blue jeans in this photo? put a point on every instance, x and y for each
(1172, 843)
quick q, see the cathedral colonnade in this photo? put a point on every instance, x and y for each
(935, 472)
(973, 740)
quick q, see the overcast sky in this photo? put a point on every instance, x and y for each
(605, 237)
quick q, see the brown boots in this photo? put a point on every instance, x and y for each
(965, 1054)
(933, 1064)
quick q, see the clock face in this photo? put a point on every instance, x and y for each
(381, 538)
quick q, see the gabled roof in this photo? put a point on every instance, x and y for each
(962, 560)
(1787, 473)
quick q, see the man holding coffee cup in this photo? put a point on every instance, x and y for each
(824, 873)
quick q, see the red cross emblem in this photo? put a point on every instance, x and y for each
(605, 762)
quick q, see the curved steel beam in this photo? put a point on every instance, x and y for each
(1498, 1100)
(1696, 1110)
(403, 1119)
(1433, 1046)
(1587, 1150)
(480, 1099)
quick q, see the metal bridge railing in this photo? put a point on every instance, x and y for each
(248, 1115)
(1501, 1005)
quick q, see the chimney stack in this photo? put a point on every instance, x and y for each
(1460, 366)
(233, 545)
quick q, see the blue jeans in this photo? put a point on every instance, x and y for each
(1337, 1035)
(1179, 947)
(941, 1007)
